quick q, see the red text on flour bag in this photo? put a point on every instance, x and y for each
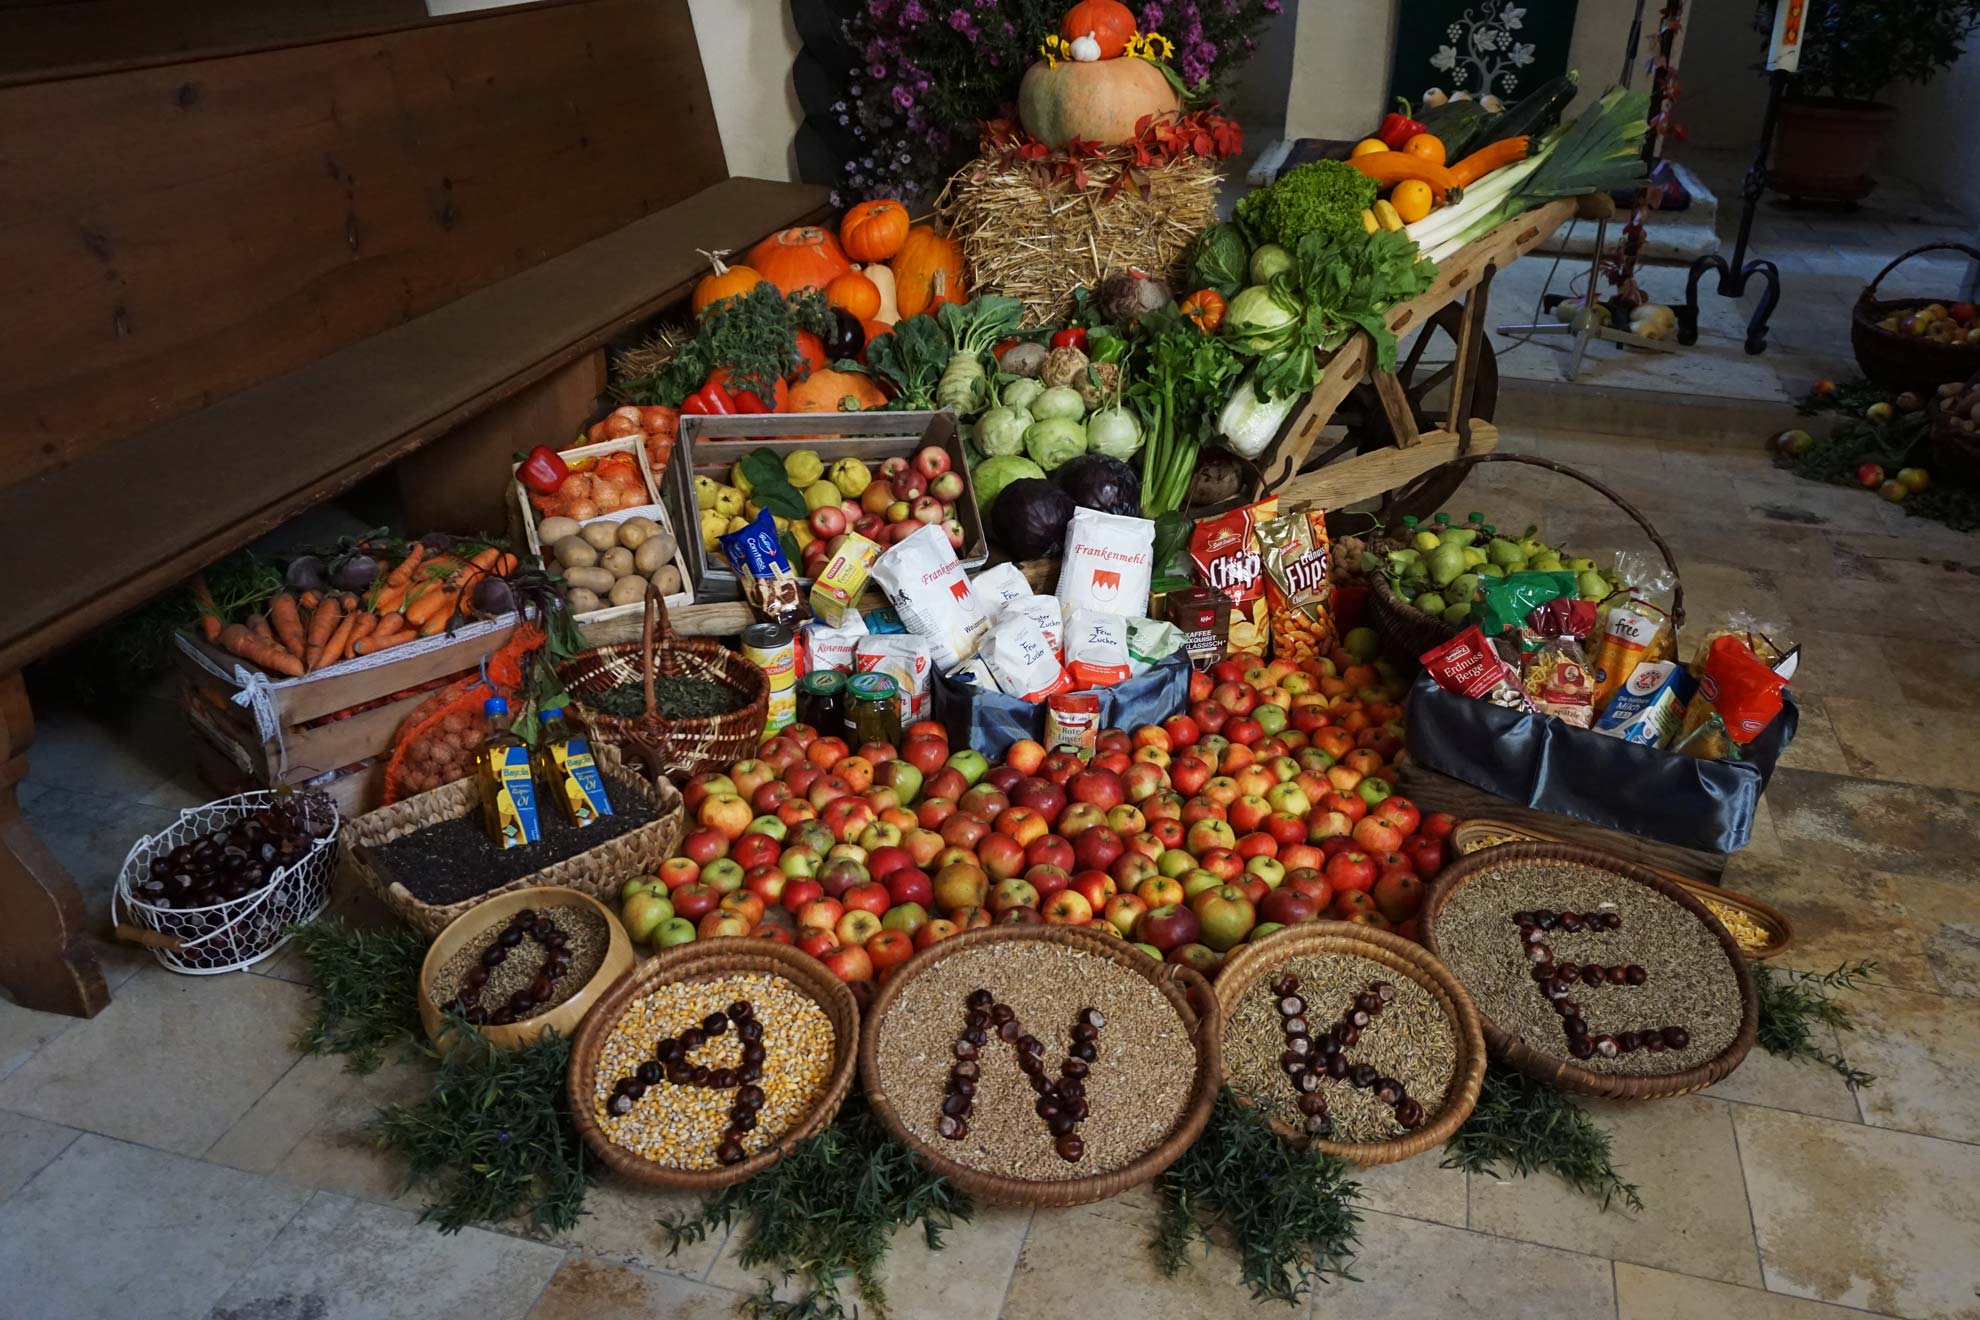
(1109, 563)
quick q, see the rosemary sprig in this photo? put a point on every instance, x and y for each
(1289, 1209)
(1521, 1126)
(365, 988)
(494, 1139)
(1793, 1004)
(825, 1214)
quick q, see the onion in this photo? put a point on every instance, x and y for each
(619, 425)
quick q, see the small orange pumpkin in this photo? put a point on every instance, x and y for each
(874, 231)
(831, 391)
(803, 258)
(1109, 22)
(928, 271)
(721, 282)
(854, 292)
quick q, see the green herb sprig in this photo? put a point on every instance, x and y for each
(1793, 1004)
(1522, 1126)
(753, 336)
(912, 360)
(364, 987)
(824, 1215)
(494, 1140)
(1290, 1210)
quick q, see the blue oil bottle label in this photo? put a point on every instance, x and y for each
(584, 788)
(516, 808)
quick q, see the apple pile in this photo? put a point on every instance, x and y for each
(1269, 802)
(905, 496)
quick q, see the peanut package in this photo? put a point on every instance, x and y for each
(1298, 589)
(1225, 552)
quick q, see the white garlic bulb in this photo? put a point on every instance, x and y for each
(1086, 49)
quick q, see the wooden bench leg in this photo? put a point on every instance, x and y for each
(44, 960)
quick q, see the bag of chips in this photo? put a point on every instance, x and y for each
(1224, 550)
(1298, 589)
(1632, 633)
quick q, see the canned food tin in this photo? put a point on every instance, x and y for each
(781, 713)
(772, 647)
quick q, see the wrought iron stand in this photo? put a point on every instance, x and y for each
(1734, 274)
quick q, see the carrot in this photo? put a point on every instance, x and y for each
(238, 639)
(339, 642)
(367, 623)
(436, 625)
(392, 598)
(258, 625)
(389, 624)
(1486, 159)
(210, 622)
(505, 564)
(286, 619)
(379, 641)
(403, 573)
(485, 560)
(308, 601)
(321, 625)
(440, 600)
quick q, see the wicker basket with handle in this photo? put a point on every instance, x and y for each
(1900, 361)
(706, 961)
(1186, 992)
(676, 748)
(1252, 962)
(1408, 632)
(598, 871)
(1565, 1073)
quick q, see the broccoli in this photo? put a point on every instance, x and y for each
(1325, 196)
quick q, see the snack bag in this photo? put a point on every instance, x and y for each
(1023, 663)
(821, 646)
(999, 585)
(1298, 590)
(905, 658)
(1505, 602)
(925, 582)
(768, 583)
(1738, 687)
(1109, 563)
(1096, 648)
(1649, 708)
(1150, 643)
(1468, 666)
(1072, 720)
(1225, 552)
(1633, 633)
(1557, 682)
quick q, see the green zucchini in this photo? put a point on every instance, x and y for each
(1536, 114)
(1456, 124)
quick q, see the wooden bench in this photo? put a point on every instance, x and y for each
(238, 284)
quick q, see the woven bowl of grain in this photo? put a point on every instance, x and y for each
(1592, 974)
(1434, 1040)
(1126, 1063)
(670, 1136)
(599, 953)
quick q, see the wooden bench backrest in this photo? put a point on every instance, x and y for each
(174, 232)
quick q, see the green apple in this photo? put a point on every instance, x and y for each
(769, 825)
(1148, 949)
(969, 763)
(905, 917)
(674, 930)
(1271, 717)
(643, 914)
(1362, 643)
(1174, 863)
(726, 873)
(1262, 929)
(1268, 869)
(642, 884)
(1371, 790)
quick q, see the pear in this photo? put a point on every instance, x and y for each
(1578, 564)
(1491, 570)
(1459, 614)
(1473, 556)
(1591, 585)
(1446, 562)
(1430, 603)
(1462, 587)
(1548, 562)
(1425, 541)
(1459, 536)
(1503, 552)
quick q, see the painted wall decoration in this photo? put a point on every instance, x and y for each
(1499, 48)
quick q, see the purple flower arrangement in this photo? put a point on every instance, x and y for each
(934, 69)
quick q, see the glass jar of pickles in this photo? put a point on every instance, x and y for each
(873, 709)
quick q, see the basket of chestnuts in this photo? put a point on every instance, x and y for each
(221, 888)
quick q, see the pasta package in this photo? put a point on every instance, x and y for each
(1225, 552)
(1298, 589)
(1738, 687)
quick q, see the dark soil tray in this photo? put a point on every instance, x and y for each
(455, 859)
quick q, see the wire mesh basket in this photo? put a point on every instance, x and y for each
(239, 932)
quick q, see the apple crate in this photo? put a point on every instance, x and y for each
(711, 446)
(654, 508)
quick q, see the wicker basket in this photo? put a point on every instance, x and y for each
(1954, 454)
(1565, 1073)
(1253, 961)
(598, 871)
(675, 748)
(239, 932)
(1179, 985)
(1408, 632)
(481, 925)
(703, 962)
(1907, 362)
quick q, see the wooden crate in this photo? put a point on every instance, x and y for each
(654, 508)
(710, 446)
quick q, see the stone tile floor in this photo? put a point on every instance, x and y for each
(173, 1159)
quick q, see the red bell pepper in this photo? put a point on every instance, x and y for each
(711, 400)
(1073, 338)
(1397, 127)
(543, 470)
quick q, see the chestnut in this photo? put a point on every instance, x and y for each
(1287, 984)
(979, 998)
(1676, 1037)
(1296, 1026)
(1606, 1045)
(953, 1129)
(1291, 1006)
(1580, 1048)
(1635, 975)
(1539, 953)
(1317, 1125)
(1545, 918)
(1383, 991)
(1046, 1107)
(1306, 1081)
(1389, 1091)
(1002, 1013)
(1571, 922)
(1092, 1018)
(1410, 1113)
(730, 1152)
(692, 1040)
(741, 1011)
(1337, 1067)
(1617, 975)
(1368, 1002)
(619, 1105)
(1363, 1075)
(749, 1031)
(1313, 1103)
(1009, 1030)
(1070, 1147)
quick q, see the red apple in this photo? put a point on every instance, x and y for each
(849, 963)
(1097, 848)
(1288, 906)
(695, 901)
(1047, 879)
(1352, 869)
(1001, 855)
(1052, 850)
(910, 885)
(1095, 886)
(1398, 894)
(1168, 926)
(1068, 907)
(1040, 795)
(1377, 835)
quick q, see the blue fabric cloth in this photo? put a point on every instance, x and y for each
(990, 722)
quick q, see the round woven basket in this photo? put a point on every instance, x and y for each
(705, 962)
(1907, 362)
(1255, 961)
(1954, 453)
(674, 748)
(1563, 1072)
(1408, 632)
(1188, 993)
(479, 925)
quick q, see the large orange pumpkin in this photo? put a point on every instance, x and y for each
(854, 292)
(928, 271)
(874, 231)
(1108, 22)
(721, 282)
(1095, 102)
(803, 258)
(835, 391)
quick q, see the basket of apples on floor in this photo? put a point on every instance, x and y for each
(1267, 803)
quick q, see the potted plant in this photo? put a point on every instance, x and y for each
(1832, 122)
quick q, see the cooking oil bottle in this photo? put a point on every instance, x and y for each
(568, 772)
(508, 791)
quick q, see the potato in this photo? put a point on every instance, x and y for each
(580, 601)
(552, 530)
(601, 536)
(649, 557)
(668, 579)
(574, 552)
(618, 561)
(591, 579)
(628, 591)
(635, 532)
